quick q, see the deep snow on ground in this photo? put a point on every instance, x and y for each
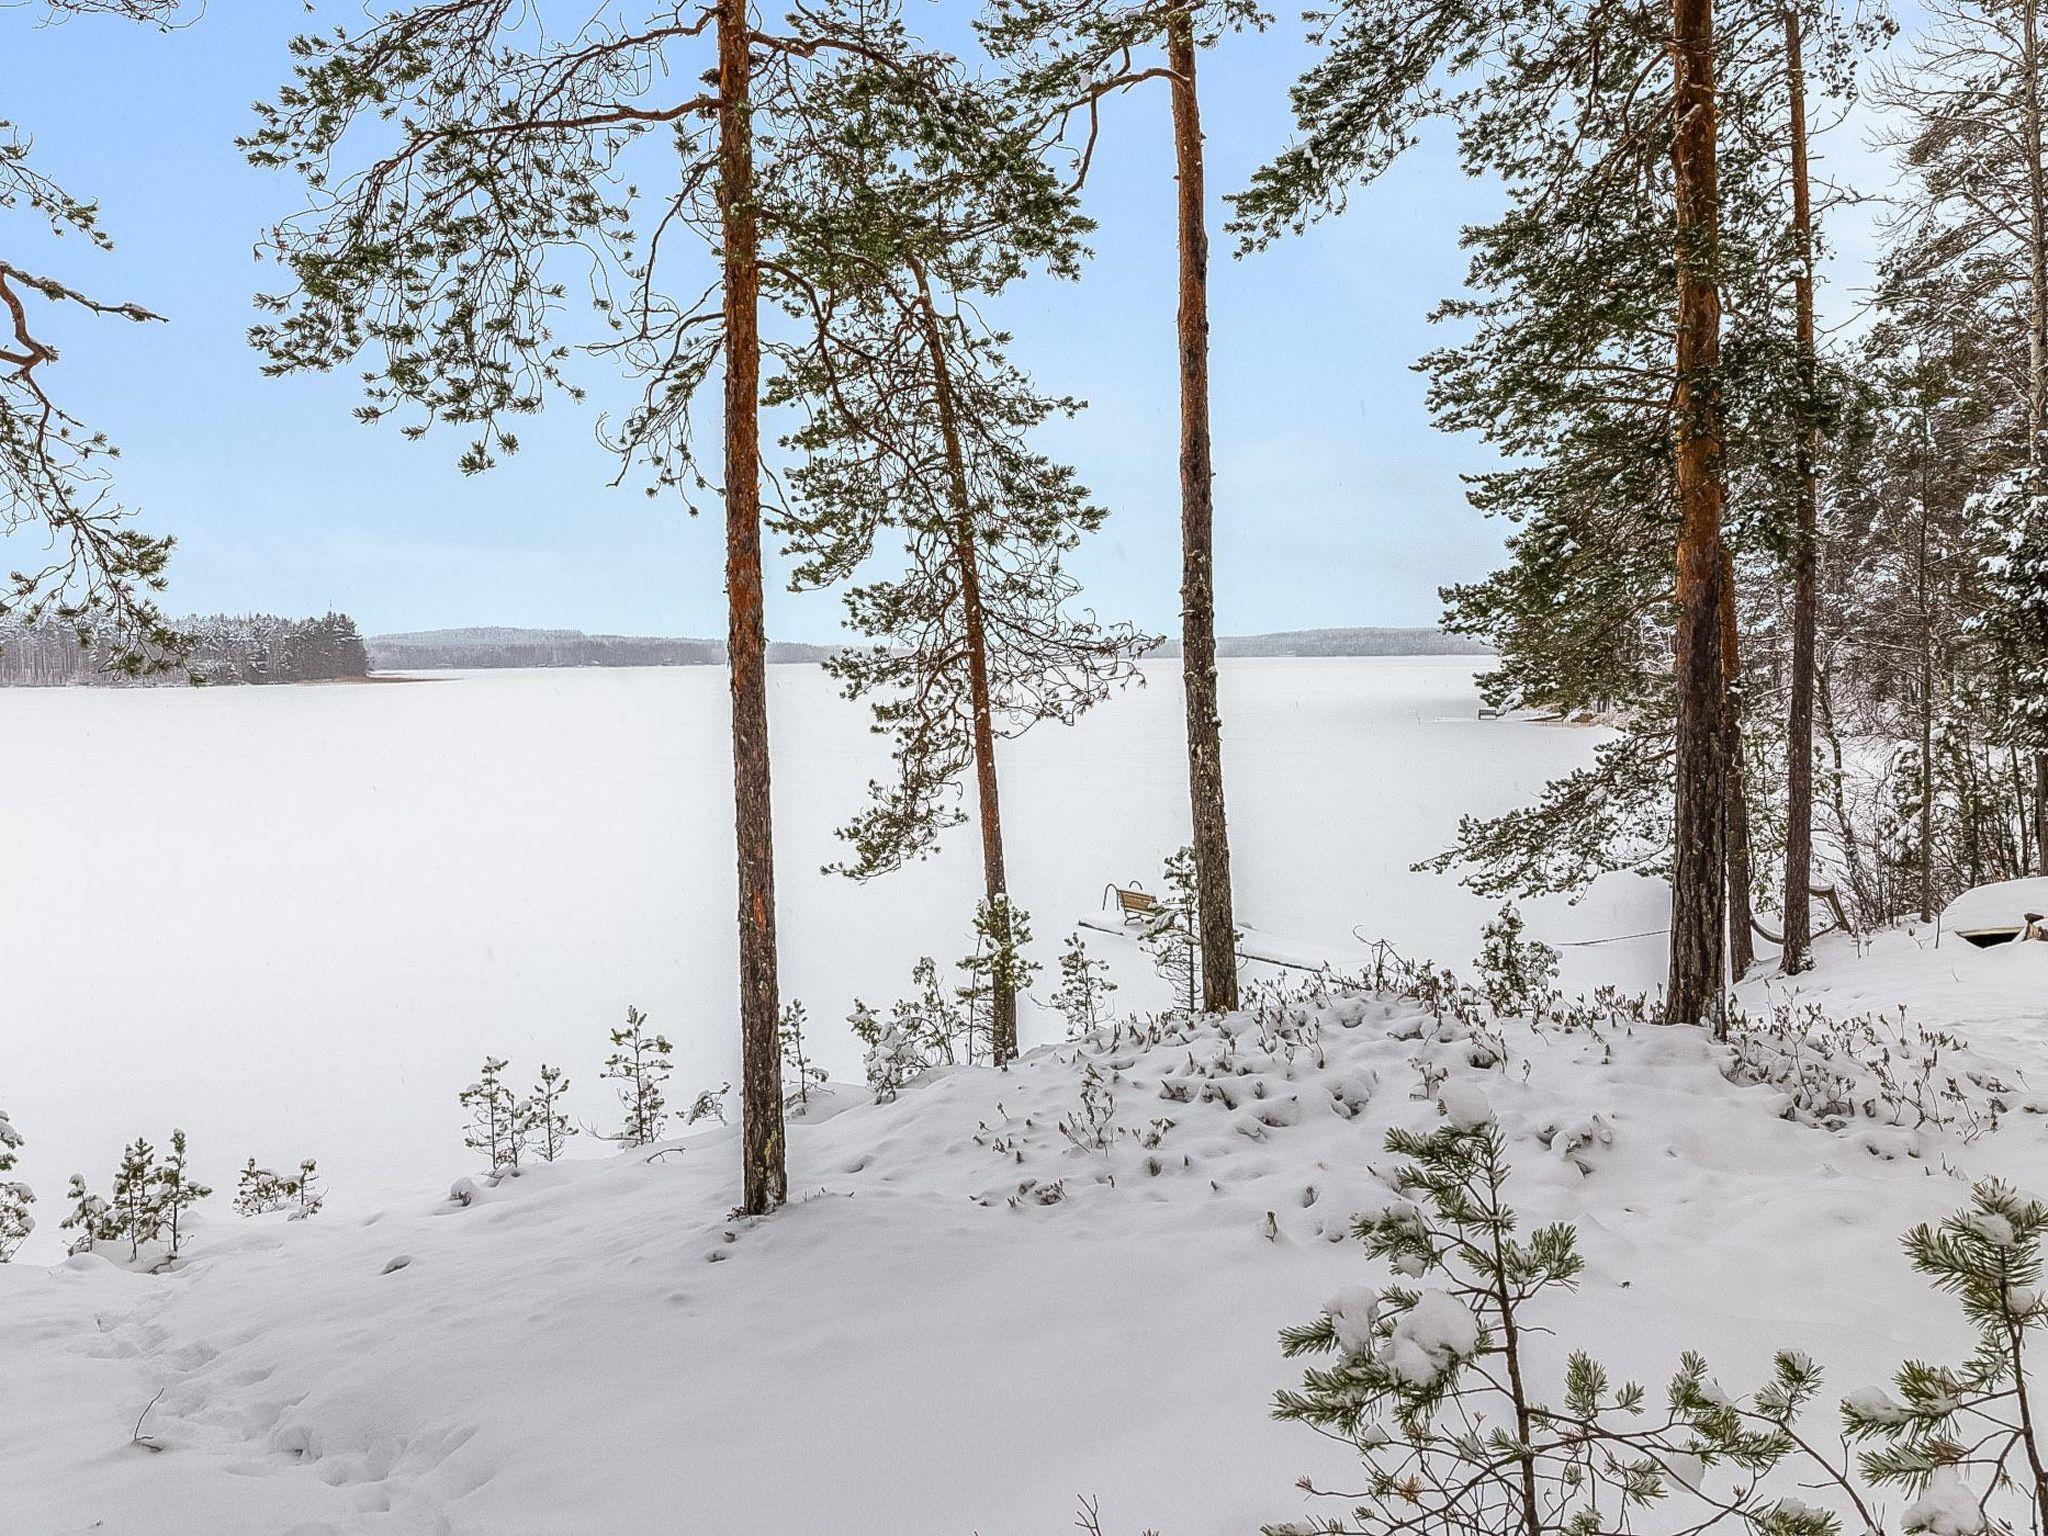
(965, 1321)
(293, 920)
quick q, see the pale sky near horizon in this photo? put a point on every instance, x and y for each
(1337, 503)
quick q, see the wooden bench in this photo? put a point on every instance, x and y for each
(1134, 901)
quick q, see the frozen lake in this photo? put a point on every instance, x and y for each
(292, 920)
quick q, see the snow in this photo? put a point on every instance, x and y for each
(1946, 1508)
(296, 920)
(1465, 1106)
(1431, 1337)
(954, 1276)
(962, 1322)
(2002, 904)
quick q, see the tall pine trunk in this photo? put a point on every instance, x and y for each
(2037, 333)
(1797, 955)
(1926, 595)
(1216, 923)
(974, 631)
(765, 1180)
(1741, 934)
(1699, 863)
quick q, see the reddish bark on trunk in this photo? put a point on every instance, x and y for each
(1216, 923)
(764, 1180)
(1699, 864)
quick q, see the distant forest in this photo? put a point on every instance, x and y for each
(501, 646)
(1344, 642)
(224, 648)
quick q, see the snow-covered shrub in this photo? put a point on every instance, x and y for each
(708, 1105)
(259, 1190)
(15, 1197)
(1949, 1427)
(1518, 974)
(1433, 1384)
(927, 1029)
(1082, 998)
(1883, 1067)
(1091, 1126)
(547, 1123)
(639, 1064)
(499, 1120)
(1287, 1017)
(800, 1075)
(893, 1057)
(91, 1217)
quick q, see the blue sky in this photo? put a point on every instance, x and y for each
(1336, 502)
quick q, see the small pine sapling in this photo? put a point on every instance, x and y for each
(15, 1197)
(547, 1122)
(92, 1217)
(137, 1214)
(997, 968)
(176, 1193)
(1169, 935)
(799, 1073)
(639, 1064)
(1083, 995)
(1517, 973)
(498, 1121)
(1434, 1386)
(304, 1186)
(1975, 1420)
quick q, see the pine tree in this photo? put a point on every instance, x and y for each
(1989, 1257)
(499, 1120)
(1631, 419)
(1083, 995)
(1972, 233)
(1432, 1379)
(639, 1064)
(918, 423)
(176, 1192)
(1068, 55)
(94, 572)
(15, 1197)
(547, 1122)
(434, 250)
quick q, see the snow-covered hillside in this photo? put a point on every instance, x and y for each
(972, 1313)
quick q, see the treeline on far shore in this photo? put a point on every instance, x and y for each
(220, 648)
